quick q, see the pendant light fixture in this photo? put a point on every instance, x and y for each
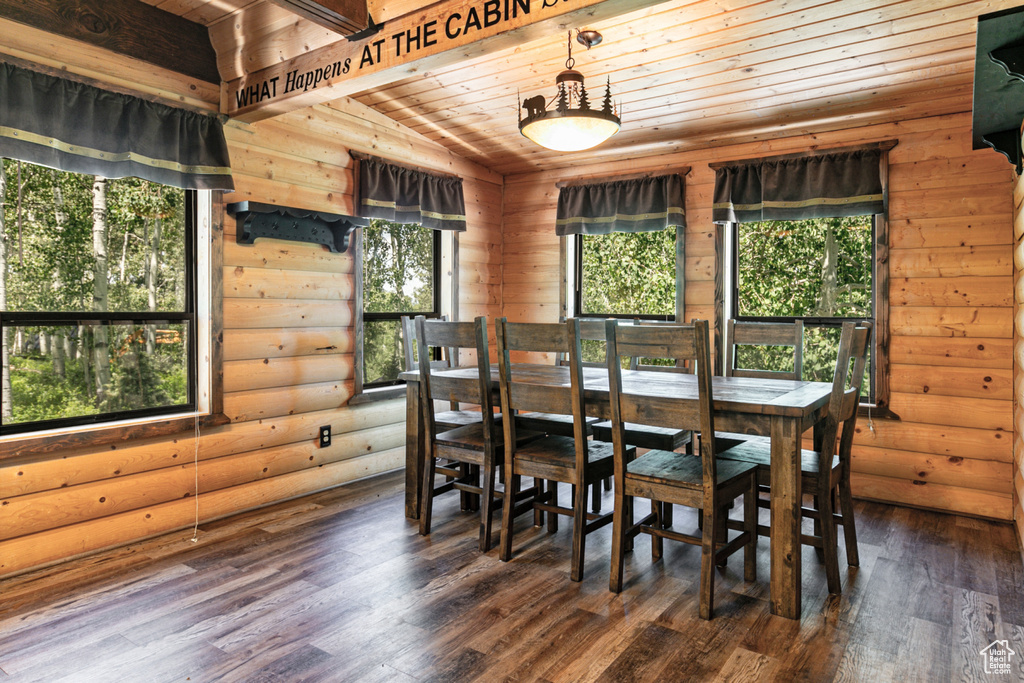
(572, 124)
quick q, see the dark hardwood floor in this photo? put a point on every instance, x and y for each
(340, 587)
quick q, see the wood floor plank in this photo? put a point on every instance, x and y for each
(340, 586)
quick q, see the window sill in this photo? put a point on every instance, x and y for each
(378, 394)
(43, 445)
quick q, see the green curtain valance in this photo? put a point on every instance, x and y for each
(634, 205)
(76, 127)
(836, 184)
(404, 195)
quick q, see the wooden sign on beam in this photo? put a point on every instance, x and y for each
(343, 16)
(441, 35)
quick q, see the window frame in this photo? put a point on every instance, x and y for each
(387, 389)
(209, 311)
(879, 303)
(188, 317)
(574, 243)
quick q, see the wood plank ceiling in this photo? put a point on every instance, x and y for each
(688, 73)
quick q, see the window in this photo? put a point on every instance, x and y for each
(401, 267)
(98, 304)
(821, 271)
(625, 275)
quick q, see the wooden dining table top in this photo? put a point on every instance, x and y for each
(731, 394)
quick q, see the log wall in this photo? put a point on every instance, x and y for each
(1018, 356)
(288, 340)
(951, 296)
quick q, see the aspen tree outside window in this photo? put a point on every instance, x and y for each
(401, 276)
(98, 298)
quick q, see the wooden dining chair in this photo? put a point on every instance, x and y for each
(746, 334)
(455, 417)
(460, 452)
(826, 472)
(553, 423)
(575, 460)
(743, 333)
(651, 436)
(663, 476)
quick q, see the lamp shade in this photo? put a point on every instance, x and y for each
(572, 130)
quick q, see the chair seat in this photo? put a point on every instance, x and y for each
(757, 451)
(646, 436)
(471, 437)
(560, 452)
(680, 469)
(458, 418)
(550, 423)
(726, 440)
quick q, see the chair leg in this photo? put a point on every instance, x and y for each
(553, 499)
(628, 509)
(607, 483)
(595, 496)
(750, 524)
(542, 493)
(657, 542)
(507, 509)
(465, 498)
(707, 562)
(830, 545)
(487, 508)
(579, 531)
(427, 494)
(849, 527)
(618, 540)
(722, 532)
(820, 552)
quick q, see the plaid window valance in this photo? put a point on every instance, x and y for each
(835, 184)
(633, 205)
(76, 127)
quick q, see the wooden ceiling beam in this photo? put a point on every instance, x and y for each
(341, 16)
(127, 27)
(441, 35)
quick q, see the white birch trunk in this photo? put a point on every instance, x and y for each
(101, 357)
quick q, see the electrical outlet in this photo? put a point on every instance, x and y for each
(325, 436)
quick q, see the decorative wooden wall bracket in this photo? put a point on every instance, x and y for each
(300, 225)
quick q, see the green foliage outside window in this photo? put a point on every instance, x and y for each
(60, 252)
(627, 274)
(398, 279)
(817, 268)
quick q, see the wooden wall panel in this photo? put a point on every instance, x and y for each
(288, 346)
(1018, 365)
(951, 295)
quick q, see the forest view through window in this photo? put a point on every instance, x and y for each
(817, 270)
(625, 275)
(96, 298)
(401, 266)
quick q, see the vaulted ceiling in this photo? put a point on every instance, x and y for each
(688, 73)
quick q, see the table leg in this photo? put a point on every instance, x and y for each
(414, 435)
(785, 503)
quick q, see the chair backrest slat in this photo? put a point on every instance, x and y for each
(743, 333)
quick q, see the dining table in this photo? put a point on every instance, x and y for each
(780, 409)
